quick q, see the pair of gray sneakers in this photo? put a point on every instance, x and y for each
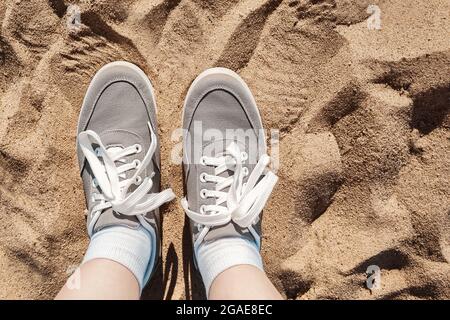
(224, 157)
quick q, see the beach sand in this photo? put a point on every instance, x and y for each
(362, 114)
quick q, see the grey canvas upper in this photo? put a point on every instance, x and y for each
(118, 107)
(219, 110)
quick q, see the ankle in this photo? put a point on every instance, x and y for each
(132, 248)
(215, 257)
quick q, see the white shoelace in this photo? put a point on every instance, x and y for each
(113, 183)
(244, 202)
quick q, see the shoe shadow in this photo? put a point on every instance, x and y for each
(159, 287)
(155, 289)
(163, 282)
(159, 284)
(193, 283)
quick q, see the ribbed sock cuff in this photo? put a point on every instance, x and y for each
(215, 257)
(129, 247)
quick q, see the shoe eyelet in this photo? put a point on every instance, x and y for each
(94, 183)
(244, 156)
(203, 193)
(245, 171)
(202, 161)
(203, 177)
(97, 152)
(137, 163)
(138, 148)
(202, 209)
(138, 180)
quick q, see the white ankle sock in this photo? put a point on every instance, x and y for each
(131, 248)
(215, 257)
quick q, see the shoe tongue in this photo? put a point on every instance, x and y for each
(118, 140)
(217, 149)
(127, 159)
(114, 141)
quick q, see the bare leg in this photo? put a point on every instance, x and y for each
(243, 282)
(100, 279)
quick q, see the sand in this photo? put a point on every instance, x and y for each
(362, 114)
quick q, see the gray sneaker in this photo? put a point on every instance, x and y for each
(224, 159)
(118, 153)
